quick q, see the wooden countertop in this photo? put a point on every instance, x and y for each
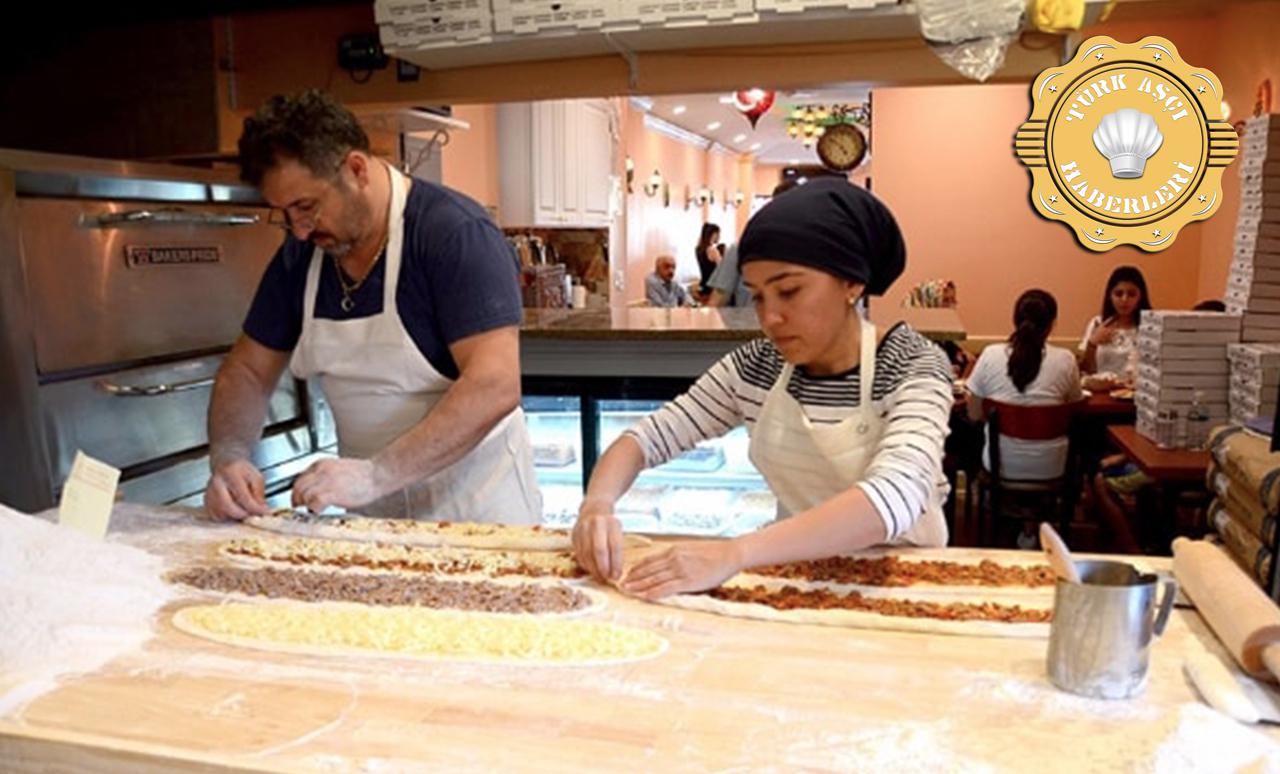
(728, 695)
(1163, 465)
(704, 324)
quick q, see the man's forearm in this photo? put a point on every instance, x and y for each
(452, 428)
(236, 411)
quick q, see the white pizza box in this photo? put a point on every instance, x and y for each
(1165, 392)
(1150, 417)
(1259, 200)
(1258, 404)
(1203, 338)
(1260, 167)
(1157, 350)
(1216, 365)
(1265, 382)
(1250, 257)
(1261, 306)
(1261, 128)
(1153, 374)
(1178, 319)
(1145, 428)
(1254, 355)
(1248, 272)
(1245, 417)
(1247, 289)
(1265, 212)
(1257, 229)
(1260, 334)
(1261, 242)
(1258, 319)
(1252, 184)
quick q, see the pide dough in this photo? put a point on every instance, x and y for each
(347, 554)
(334, 629)
(422, 533)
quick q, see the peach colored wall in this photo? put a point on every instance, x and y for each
(469, 163)
(652, 229)
(945, 165)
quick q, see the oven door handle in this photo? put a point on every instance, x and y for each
(142, 391)
(173, 218)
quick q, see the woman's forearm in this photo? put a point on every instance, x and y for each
(614, 472)
(846, 522)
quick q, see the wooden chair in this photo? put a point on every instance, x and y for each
(1048, 497)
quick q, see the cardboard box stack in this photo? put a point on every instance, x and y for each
(1253, 286)
(1255, 380)
(1179, 353)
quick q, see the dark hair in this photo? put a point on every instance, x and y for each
(1212, 305)
(704, 239)
(311, 128)
(1033, 317)
(786, 185)
(1131, 275)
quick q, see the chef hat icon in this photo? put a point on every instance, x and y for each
(1127, 137)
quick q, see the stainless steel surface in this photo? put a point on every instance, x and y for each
(128, 433)
(48, 174)
(90, 307)
(144, 390)
(1103, 627)
(175, 217)
(105, 298)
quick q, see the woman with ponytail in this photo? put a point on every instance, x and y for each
(1026, 371)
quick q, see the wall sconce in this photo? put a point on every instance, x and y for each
(705, 196)
(631, 175)
(739, 198)
(654, 184)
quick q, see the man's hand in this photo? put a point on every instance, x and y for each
(235, 491)
(597, 541)
(691, 566)
(347, 483)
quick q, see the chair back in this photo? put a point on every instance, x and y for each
(1030, 423)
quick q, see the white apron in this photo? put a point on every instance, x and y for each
(807, 464)
(379, 385)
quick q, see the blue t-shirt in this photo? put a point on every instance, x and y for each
(458, 277)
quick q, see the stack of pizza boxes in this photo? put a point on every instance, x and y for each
(1253, 287)
(1255, 380)
(1180, 353)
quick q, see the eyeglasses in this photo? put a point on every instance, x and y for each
(303, 215)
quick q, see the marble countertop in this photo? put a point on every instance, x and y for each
(703, 324)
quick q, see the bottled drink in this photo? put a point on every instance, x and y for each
(1197, 422)
(1164, 429)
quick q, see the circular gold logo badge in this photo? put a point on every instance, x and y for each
(1126, 143)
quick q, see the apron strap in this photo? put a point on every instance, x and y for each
(866, 375)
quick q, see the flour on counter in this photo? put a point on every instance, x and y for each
(68, 603)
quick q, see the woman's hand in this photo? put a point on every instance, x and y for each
(597, 540)
(690, 566)
(1102, 334)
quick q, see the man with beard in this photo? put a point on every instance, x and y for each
(402, 297)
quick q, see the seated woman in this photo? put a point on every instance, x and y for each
(846, 426)
(1109, 349)
(1027, 372)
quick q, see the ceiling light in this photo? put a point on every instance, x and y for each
(726, 99)
(714, 125)
(739, 137)
(678, 109)
(755, 146)
(794, 162)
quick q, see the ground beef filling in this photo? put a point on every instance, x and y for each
(409, 559)
(894, 571)
(792, 598)
(382, 589)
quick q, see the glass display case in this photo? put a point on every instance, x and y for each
(710, 490)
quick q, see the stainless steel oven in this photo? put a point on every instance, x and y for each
(122, 285)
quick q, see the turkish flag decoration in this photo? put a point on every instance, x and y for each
(753, 103)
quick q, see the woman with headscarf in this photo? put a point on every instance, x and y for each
(847, 427)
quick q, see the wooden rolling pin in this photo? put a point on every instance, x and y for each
(1243, 617)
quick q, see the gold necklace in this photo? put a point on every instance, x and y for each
(347, 303)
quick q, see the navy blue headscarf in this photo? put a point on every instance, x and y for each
(831, 225)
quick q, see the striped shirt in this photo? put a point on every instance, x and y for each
(911, 393)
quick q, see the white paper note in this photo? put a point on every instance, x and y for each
(88, 496)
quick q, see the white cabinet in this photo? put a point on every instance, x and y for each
(555, 160)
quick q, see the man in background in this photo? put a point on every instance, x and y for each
(660, 287)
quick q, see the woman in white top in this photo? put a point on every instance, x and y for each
(1027, 372)
(846, 426)
(1110, 345)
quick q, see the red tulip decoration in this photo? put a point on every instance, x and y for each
(753, 103)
